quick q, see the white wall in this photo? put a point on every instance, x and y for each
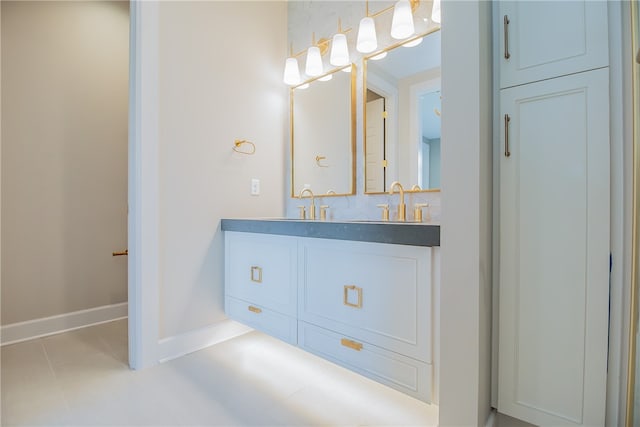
(465, 301)
(64, 156)
(220, 79)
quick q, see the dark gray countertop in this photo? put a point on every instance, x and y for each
(399, 233)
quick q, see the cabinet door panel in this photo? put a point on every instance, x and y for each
(554, 251)
(392, 282)
(261, 268)
(551, 38)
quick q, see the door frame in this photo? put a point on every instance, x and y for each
(143, 184)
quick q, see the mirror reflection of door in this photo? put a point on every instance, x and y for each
(375, 137)
(429, 153)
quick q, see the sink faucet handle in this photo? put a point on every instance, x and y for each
(385, 211)
(303, 214)
(323, 212)
(417, 211)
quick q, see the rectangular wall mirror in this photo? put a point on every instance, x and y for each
(323, 135)
(402, 111)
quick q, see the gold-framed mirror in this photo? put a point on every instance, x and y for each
(323, 134)
(402, 110)
(633, 384)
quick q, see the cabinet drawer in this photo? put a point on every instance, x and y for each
(262, 268)
(378, 293)
(402, 373)
(263, 319)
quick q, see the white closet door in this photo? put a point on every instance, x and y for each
(554, 251)
(547, 39)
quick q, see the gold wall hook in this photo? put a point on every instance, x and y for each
(319, 160)
(237, 144)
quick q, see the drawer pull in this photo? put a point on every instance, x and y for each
(351, 344)
(254, 309)
(348, 288)
(256, 274)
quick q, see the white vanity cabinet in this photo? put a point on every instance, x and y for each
(368, 307)
(544, 39)
(260, 282)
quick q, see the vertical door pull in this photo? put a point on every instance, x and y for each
(507, 55)
(256, 274)
(507, 119)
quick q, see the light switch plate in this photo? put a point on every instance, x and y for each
(255, 186)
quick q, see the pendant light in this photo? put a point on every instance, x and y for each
(367, 40)
(291, 70)
(339, 51)
(402, 22)
(313, 65)
(435, 12)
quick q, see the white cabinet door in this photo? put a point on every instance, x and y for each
(554, 250)
(546, 39)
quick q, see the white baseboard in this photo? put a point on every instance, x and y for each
(36, 328)
(179, 345)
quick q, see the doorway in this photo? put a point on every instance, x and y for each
(65, 103)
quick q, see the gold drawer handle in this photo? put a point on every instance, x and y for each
(256, 274)
(351, 344)
(348, 288)
(254, 309)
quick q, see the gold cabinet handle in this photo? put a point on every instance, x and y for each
(507, 55)
(254, 309)
(507, 119)
(122, 253)
(256, 274)
(351, 344)
(348, 288)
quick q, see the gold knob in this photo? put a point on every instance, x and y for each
(417, 211)
(385, 211)
(323, 212)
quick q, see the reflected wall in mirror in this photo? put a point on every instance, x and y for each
(402, 116)
(323, 135)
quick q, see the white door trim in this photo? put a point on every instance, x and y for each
(143, 216)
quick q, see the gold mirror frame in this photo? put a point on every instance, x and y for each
(364, 109)
(353, 133)
(635, 238)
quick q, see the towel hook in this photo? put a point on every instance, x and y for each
(319, 160)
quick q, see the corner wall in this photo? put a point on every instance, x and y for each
(219, 79)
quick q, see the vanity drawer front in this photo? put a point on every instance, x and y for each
(262, 268)
(263, 319)
(379, 293)
(402, 373)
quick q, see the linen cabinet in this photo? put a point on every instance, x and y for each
(554, 213)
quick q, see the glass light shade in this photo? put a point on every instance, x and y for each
(304, 86)
(346, 70)
(291, 72)
(367, 39)
(326, 78)
(379, 56)
(413, 43)
(339, 51)
(435, 12)
(314, 62)
(402, 23)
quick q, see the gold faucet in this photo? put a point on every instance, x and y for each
(312, 207)
(402, 208)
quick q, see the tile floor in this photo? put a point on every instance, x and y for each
(82, 378)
